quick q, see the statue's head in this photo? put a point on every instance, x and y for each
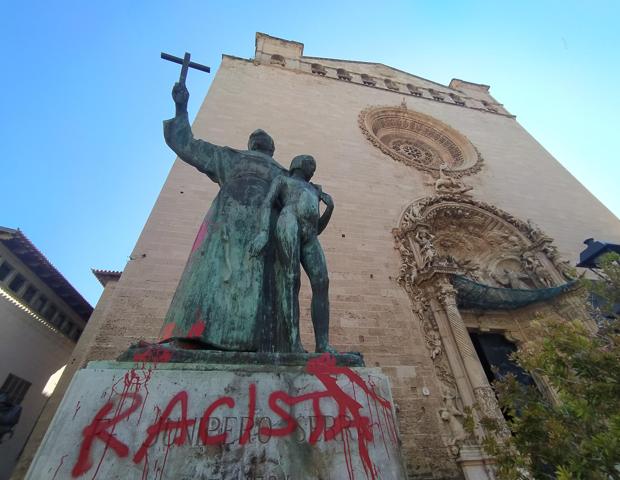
(305, 163)
(261, 141)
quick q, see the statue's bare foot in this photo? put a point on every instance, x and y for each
(327, 348)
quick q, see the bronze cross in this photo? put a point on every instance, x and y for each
(186, 64)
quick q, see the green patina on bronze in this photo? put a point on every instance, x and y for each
(224, 297)
(171, 354)
(296, 232)
(239, 290)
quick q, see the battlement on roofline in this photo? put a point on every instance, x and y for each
(287, 54)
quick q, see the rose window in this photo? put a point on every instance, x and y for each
(419, 140)
(415, 152)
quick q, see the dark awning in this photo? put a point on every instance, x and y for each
(476, 295)
(594, 250)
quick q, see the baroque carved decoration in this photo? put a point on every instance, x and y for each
(454, 417)
(448, 185)
(434, 345)
(451, 413)
(422, 142)
(441, 239)
(487, 403)
(456, 234)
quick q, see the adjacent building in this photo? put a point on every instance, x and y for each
(41, 318)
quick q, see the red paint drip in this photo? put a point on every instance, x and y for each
(129, 380)
(164, 424)
(200, 237)
(147, 372)
(98, 429)
(167, 331)
(245, 438)
(291, 422)
(153, 354)
(196, 329)
(325, 369)
(203, 429)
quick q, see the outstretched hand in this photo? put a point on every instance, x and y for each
(180, 95)
(258, 244)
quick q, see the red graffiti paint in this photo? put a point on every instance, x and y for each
(153, 354)
(164, 424)
(325, 369)
(204, 422)
(99, 429)
(245, 438)
(348, 425)
(167, 331)
(349, 411)
(291, 423)
(200, 237)
(196, 329)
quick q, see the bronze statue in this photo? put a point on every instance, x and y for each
(296, 231)
(230, 297)
(224, 300)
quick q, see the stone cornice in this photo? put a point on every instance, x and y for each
(356, 80)
(21, 305)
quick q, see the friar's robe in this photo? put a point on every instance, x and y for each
(225, 297)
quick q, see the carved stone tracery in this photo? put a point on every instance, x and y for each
(420, 141)
(452, 411)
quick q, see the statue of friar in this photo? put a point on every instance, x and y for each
(225, 298)
(239, 290)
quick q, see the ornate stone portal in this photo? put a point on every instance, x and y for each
(445, 237)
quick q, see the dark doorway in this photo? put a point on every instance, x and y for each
(494, 351)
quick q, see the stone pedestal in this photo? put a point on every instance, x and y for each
(194, 421)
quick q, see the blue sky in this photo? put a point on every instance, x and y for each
(84, 93)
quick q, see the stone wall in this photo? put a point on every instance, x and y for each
(32, 351)
(75, 358)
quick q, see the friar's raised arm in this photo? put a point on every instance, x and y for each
(206, 157)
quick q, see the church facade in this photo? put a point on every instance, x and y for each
(453, 229)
